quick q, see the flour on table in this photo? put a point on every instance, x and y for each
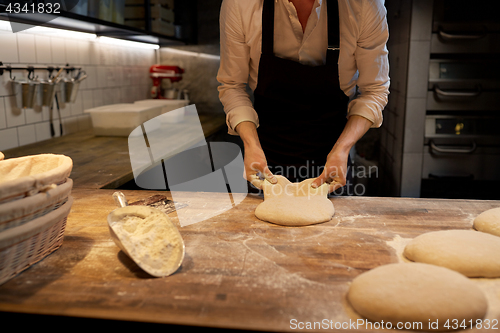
(398, 243)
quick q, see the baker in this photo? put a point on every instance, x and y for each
(319, 74)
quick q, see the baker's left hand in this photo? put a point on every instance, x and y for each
(335, 171)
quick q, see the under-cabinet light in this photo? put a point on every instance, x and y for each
(191, 53)
(127, 43)
(60, 33)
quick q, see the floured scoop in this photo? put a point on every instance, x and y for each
(148, 237)
(295, 204)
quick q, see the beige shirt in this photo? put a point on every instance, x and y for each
(363, 60)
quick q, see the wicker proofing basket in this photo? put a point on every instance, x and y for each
(28, 175)
(25, 245)
(17, 212)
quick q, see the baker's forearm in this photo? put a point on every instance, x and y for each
(354, 130)
(248, 134)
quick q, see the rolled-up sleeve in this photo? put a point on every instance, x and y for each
(234, 68)
(371, 57)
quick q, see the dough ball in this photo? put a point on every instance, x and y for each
(295, 211)
(488, 221)
(472, 253)
(295, 204)
(416, 292)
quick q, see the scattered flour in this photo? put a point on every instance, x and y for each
(398, 243)
(149, 238)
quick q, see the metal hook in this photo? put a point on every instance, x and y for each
(31, 73)
(50, 69)
(10, 73)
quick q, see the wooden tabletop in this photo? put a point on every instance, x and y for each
(238, 272)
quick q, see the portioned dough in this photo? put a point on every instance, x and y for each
(488, 221)
(148, 237)
(472, 253)
(416, 292)
(295, 204)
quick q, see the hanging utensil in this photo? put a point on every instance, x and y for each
(59, 113)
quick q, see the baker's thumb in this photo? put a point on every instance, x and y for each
(317, 182)
(268, 175)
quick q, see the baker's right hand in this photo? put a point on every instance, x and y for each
(256, 169)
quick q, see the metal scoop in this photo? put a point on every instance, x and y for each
(147, 236)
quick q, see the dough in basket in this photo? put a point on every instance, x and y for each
(295, 204)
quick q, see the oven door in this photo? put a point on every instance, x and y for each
(464, 26)
(465, 147)
(461, 157)
(463, 84)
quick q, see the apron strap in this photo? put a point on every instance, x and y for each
(268, 26)
(332, 9)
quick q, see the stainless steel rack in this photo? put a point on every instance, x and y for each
(31, 69)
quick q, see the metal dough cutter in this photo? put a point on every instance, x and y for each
(161, 203)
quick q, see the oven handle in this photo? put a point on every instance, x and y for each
(440, 92)
(447, 35)
(452, 150)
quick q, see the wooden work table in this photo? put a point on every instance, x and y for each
(238, 272)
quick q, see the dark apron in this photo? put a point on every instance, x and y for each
(301, 108)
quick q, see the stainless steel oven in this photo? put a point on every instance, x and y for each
(462, 146)
(463, 84)
(461, 156)
(465, 26)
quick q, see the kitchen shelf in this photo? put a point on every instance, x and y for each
(80, 23)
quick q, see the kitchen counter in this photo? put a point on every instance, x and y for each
(238, 272)
(103, 161)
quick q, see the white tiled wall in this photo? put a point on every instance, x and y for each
(116, 74)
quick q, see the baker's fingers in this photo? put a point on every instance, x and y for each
(268, 175)
(332, 180)
(333, 186)
(323, 178)
(256, 181)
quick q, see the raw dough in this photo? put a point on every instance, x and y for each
(295, 204)
(416, 292)
(148, 237)
(488, 221)
(470, 252)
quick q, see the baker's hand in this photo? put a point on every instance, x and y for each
(335, 171)
(256, 169)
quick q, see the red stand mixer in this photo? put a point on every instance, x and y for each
(163, 72)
